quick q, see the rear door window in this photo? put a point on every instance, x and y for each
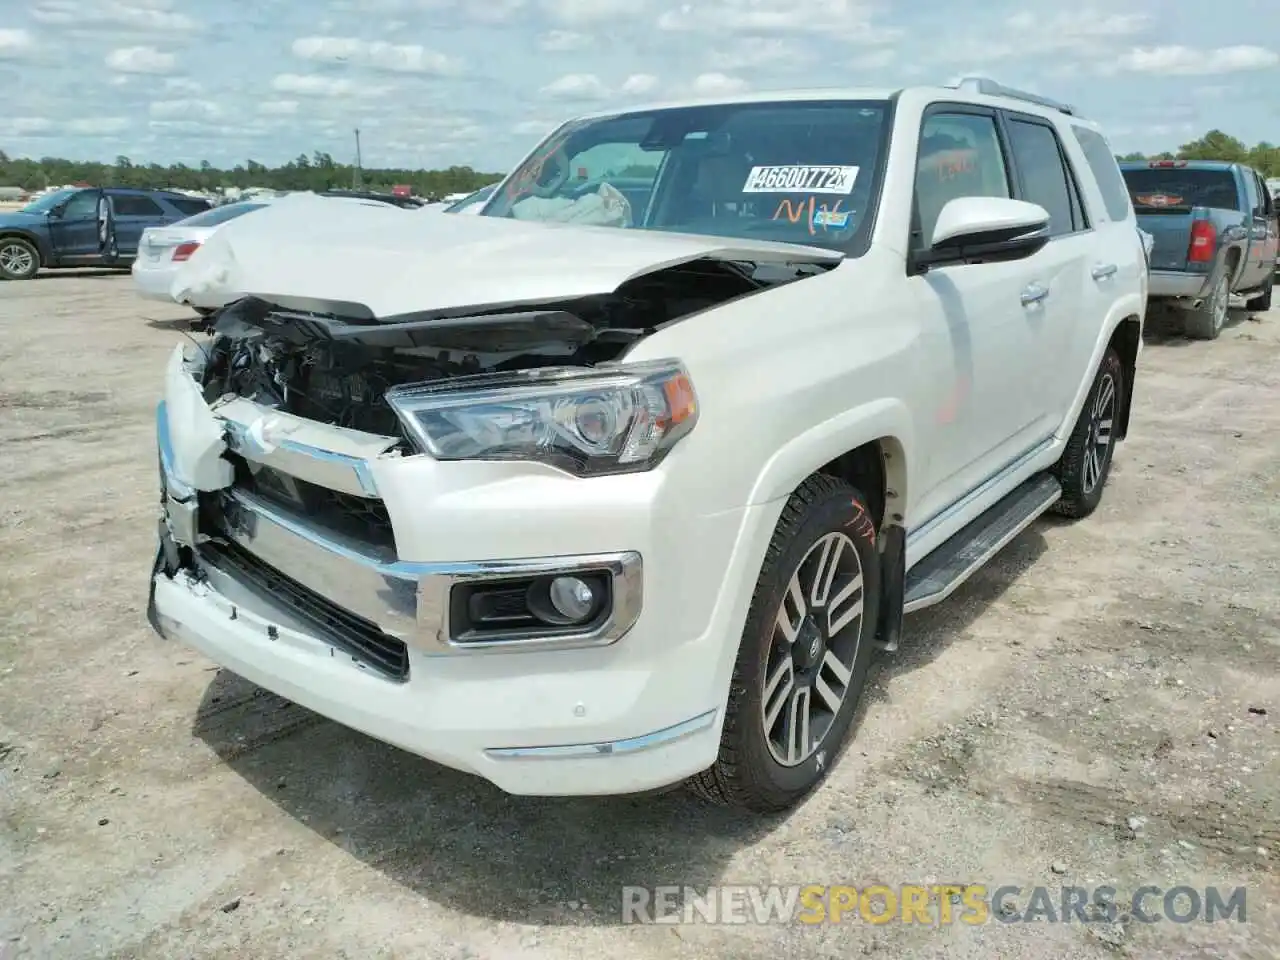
(1178, 189)
(132, 205)
(1102, 162)
(190, 205)
(1045, 178)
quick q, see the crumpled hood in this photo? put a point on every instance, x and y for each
(391, 262)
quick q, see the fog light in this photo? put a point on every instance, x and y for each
(573, 598)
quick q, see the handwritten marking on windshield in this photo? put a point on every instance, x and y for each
(822, 215)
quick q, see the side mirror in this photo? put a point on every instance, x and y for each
(986, 229)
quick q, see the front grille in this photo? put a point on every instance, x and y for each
(362, 518)
(344, 630)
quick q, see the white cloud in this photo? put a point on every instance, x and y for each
(388, 67)
(1189, 62)
(847, 20)
(25, 126)
(15, 43)
(757, 52)
(407, 58)
(639, 85)
(140, 60)
(717, 84)
(577, 86)
(98, 126)
(594, 12)
(194, 110)
(1085, 34)
(278, 108)
(537, 128)
(313, 86)
(138, 16)
(183, 85)
(563, 41)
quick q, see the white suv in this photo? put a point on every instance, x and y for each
(621, 482)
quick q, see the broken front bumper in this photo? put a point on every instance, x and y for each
(366, 638)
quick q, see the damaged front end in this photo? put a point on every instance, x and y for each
(273, 437)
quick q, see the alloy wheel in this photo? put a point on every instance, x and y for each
(814, 645)
(1221, 301)
(1097, 446)
(16, 259)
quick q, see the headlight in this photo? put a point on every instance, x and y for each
(602, 420)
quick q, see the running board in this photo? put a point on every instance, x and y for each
(938, 575)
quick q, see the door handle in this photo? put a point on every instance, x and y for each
(1104, 270)
(1034, 293)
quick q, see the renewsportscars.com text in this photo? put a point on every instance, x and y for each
(929, 904)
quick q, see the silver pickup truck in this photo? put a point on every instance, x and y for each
(1215, 236)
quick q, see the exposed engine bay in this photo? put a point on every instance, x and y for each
(335, 367)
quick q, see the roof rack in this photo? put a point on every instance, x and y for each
(990, 88)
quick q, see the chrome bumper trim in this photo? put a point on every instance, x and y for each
(407, 600)
(608, 748)
(325, 468)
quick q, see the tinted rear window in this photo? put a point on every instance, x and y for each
(189, 205)
(211, 218)
(1165, 188)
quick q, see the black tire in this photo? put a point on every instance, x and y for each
(1262, 302)
(19, 259)
(1082, 477)
(746, 773)
(1206, 321)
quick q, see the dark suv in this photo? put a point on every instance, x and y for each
(86, 227)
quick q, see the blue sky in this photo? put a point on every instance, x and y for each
(438, 82)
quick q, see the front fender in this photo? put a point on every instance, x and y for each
(41, 242)
(820, 444)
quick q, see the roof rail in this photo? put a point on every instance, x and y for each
(990, 88)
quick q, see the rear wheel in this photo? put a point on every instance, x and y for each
(1086, 460)
(1206, 321)
(19, 259)
(1262, 302)
(804, 654)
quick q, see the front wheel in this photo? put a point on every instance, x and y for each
(1086, 460)
(19, 259)
(804, 654)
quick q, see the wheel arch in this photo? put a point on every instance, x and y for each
(1123, 330)
(1126, 339)
(866, 446)
(43, 249)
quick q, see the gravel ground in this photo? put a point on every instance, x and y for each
(1099, 705)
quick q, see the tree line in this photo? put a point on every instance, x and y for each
(316, 172)
(1216, 145)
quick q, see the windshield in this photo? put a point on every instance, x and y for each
(48, 201)
(800, 172)
(217, 215)
(1173, 188)
(481, 195)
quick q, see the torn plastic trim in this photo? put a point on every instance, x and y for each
(174, 487)
(194, 437)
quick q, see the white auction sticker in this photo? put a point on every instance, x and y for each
(801, 179)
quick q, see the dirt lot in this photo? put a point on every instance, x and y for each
(1122, 667)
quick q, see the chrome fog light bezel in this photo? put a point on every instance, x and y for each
(625, 596)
